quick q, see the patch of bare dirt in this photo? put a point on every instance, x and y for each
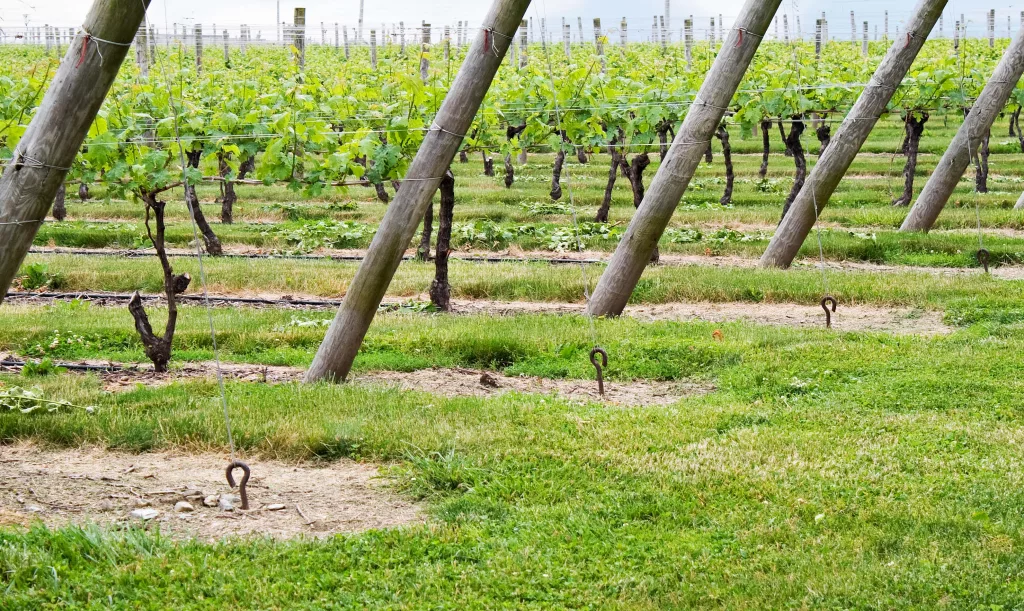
(902, 321)
(474, 383)
(92, 485)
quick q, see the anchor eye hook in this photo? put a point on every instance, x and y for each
(599, 366)
(241, 485)
(984, 257)
(826, 301)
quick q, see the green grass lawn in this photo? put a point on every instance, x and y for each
(826, 470)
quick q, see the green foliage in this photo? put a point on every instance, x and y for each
(312, 236)
(38, 276)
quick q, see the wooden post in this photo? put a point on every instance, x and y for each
(599, 44)
(373, 49)
(30, 182)
(623, 32)
(692, 139)
(864, 43)
(850, 137)
(711, 35)
(992, 29)
(401, 35)
(299, 33)
(817, 38)
(965, 144)
(688, 42)
(425, 53)
(664, 34)
(523, 44)
(447, 44)
(567, 40)
(199, 48)
(359, 32)
(227, 50)
(142, 51)
(336, 354)
(785, 28)
(942, 25)
(885, 28)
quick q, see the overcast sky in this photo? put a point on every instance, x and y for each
(261, 14)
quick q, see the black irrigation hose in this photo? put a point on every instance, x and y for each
(135, 254)
(74, 366)
(128, 297)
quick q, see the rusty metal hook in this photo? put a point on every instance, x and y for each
(984, 257)
(825, 301)
(245, 480)
(599, 366)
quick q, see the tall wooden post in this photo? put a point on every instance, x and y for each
(523, 44)
(344, 33)
(688, 42)
(299, 33)
(850, 137)
(227, 50)
(623, 33)
(335, 356)
(864, 44)
(199, 48)
(359, 33)
(58, 128)
(692, 139)
(142, 51)
(425, 53)
(373, 49)
(965, 144)
(599, 44)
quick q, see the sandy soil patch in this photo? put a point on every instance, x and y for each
(95, 486)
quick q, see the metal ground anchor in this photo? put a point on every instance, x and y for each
(599, 366)
(826, 301)
(984, 257)
(245, 480)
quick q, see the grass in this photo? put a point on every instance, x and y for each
(536, 281)
(827, 470)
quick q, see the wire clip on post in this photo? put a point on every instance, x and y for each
(599, 366)
(984, 257)
(825, 302)
(241, 485)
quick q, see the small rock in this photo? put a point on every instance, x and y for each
(193, 494)
(145, 514)
(211, 501)
(143, 503)
(488, 381)
(183, 507)
(34, 509)
(225, 504)
(275, 507)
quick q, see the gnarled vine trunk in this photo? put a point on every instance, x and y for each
(824, 134)
(511, 133)
(210, 239)
(556, 172)
(60, 212)
(440, 289)
(1016, 126)
(634, 172)
(981, 164)
(227, 202)
(613, 173)
(796, 149)
(730, 176)
(913, 127)
(83, 192)
(423, 252)
(766, 147)
(158, 349)
(788, 152)
(488, 164)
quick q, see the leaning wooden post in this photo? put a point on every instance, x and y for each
(850, 137)
(51, 141)
(965, 144)
(335, 356)
(705, 115)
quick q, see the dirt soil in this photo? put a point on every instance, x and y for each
(92, 485)
(455, 382)
(901, 321)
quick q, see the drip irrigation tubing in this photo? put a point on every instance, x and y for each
(138, 254)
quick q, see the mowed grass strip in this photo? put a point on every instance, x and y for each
(828, 470)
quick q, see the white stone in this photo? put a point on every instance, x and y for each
(225, 504)
(183, 507)
(211, 501)
(275, 507)
(145, 514)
